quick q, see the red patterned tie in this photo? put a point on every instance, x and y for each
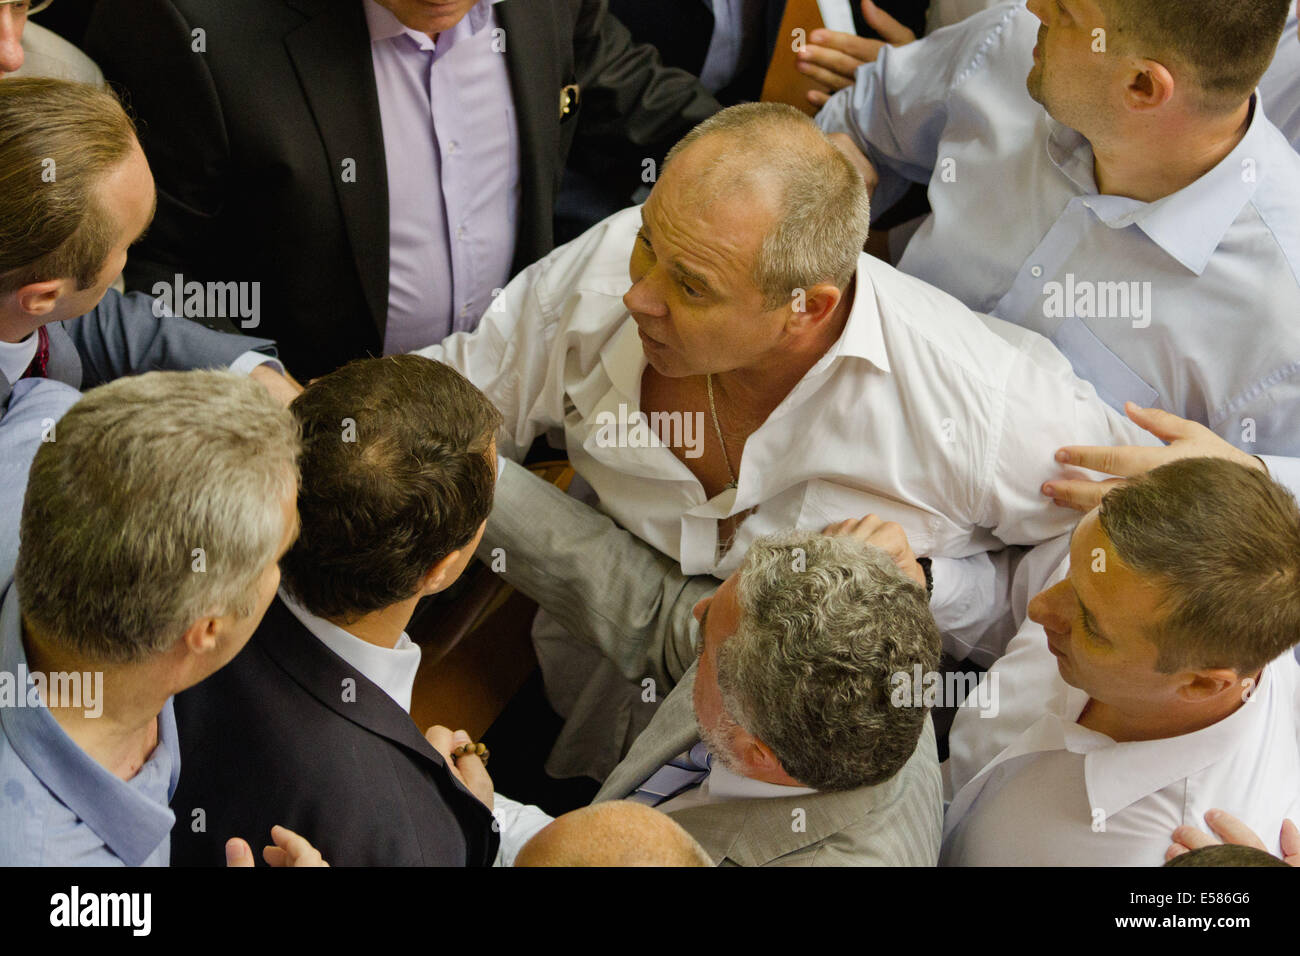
(42, 357)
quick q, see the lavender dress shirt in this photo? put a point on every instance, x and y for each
(452, 151)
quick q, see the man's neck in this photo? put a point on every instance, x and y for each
(1123, 727)
(119, 730)
(384, 627)
(1153, 167)
(15, 329)
(758, 389)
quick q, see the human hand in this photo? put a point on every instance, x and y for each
(844, 143)
(289, 850)
(284, 388)
(1231, 830)
(885, 535)
(832, 58)
(1187, 439)
(468, 768)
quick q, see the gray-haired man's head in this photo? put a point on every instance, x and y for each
(158, 513)
(797, 651)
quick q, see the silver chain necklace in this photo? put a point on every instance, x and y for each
(713, 410)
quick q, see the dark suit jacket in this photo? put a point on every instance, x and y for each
(248, 140)
(270, 738)
(681, 30)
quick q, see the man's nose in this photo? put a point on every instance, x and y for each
(1050, 608)
(11, 47)
(642, 298)
(1036, 8)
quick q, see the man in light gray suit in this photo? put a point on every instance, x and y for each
(779, 741)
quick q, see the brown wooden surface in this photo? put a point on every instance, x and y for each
(783, 82)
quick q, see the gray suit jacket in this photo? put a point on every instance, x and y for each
(631, 601)
(122, 336)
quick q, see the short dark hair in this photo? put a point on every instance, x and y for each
(1224, 542)
(1226, 854)
(1227, 44)
(58, 142)
(395, 476)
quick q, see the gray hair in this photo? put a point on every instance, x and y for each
(823, 213)
(824, 624)
(150, 480)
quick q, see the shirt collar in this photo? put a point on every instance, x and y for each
(724, 784)
(391, 669)
(863, 336)
(1188, 224)
(1117, 775)
(384, 25)
(130, 822)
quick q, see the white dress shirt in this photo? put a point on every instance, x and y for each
(722, 785)
(919, 413)
(393, 670)
(1058, 794)
(1019, 230)
(1280, 87)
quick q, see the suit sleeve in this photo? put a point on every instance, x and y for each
(123, 336)
(602, 583)
(147, 50)
(633, 107)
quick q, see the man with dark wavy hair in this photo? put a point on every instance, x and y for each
(398, 466)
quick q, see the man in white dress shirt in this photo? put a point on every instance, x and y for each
(1280, 87)
(1150, 685)
(841, 386)
(1136, 207)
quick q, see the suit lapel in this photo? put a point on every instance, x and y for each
(331, 54)
(64, 363)
(670, 732)
(322, 673)
(530, 28)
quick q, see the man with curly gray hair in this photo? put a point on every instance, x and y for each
(776, 737)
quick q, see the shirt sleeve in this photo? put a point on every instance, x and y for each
(897, 108)
(518, 823)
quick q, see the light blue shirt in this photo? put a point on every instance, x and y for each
(35, 406)
(733, 22)
(60, 807)
(1190, 303)
(1280, 87)
(451, 149)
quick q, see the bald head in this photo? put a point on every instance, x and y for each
(771, 154)
(614, 833)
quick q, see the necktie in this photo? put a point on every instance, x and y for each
(42, 357)
(677, 775)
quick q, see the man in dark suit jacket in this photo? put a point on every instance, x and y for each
(310, 727)
(252, 140)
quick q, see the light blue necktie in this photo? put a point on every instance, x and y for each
(677, 775)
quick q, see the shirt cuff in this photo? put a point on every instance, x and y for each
(517, 823)
(1285, 471)
(251, 360)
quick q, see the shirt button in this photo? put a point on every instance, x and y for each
(1036, 272)
(460, 233)
(452, 146)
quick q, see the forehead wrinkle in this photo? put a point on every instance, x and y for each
(706, 258)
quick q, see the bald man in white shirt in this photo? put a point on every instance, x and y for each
(1152, 682)
(840, 386)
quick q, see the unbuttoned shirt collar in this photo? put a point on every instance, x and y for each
(725, 784)
(384, 25)
(1117, 775)
(119, 812)
(1190, 224)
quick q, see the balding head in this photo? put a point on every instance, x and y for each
(772, 155)
(614, 833)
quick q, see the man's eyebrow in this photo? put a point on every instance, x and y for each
(676, 266)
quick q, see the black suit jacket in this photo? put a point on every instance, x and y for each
(248, 142)
(271, 738)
